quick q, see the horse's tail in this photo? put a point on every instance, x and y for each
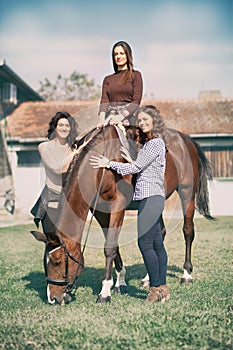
(204, 174)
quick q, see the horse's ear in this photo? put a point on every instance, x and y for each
(39, 236)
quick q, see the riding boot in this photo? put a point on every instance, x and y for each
(154, 295)
(164, 293)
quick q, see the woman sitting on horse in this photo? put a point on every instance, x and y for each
(122, 90)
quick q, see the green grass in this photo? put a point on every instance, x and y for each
(197, 316)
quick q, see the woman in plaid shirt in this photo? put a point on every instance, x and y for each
(149, 191)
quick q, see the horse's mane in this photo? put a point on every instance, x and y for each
(75, 163)
(78, 142)
(95, 135)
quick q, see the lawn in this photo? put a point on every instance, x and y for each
(199, 315)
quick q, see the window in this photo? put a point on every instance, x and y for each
(9, 93)
(28, 159)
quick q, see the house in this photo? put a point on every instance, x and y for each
(13, 92)
(208, 120)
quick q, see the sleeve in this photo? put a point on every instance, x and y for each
(137, 92)
(104, 97)
(52, 160)
(151, 151)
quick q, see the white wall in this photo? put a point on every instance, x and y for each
(221, 201)
(28, 183)
(221, 197)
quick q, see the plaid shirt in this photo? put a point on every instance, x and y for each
(149, 167)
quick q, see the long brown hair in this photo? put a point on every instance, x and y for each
(159, 127)
(128, 51)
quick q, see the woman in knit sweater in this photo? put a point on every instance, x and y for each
(122, 90)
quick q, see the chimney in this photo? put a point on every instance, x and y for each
(210, 95)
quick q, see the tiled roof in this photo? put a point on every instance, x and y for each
(30, 120)
(198, 116)
(194, 116)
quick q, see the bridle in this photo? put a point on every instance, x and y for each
(65, 282)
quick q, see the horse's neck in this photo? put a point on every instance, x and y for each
(73, 212)
(82, 185)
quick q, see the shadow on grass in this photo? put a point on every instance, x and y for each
(173, 270)
(36, 281)
(92, 278)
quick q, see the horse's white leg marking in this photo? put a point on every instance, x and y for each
(120, 281)
(106, 288)
(145, 282)
(186, 275)
(146, 278)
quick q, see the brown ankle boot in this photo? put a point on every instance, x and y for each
(165, 294)
(154, 295)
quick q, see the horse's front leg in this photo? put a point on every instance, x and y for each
(107, 283)
(103, 218)
(112, 254)
(120, 285)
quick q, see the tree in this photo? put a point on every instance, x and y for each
(76, 87)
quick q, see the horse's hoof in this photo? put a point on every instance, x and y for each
(145, 284)
(102, 300)
(121, 290)
(186, 280)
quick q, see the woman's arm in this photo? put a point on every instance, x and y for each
(104, 97)
(153, 150)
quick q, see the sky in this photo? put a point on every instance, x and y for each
(179, 46)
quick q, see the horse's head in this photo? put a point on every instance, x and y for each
(63, 263)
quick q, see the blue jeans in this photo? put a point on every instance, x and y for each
(150, 239)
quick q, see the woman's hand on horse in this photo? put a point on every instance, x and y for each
(99, 162)
(126, 155)
(114, 119)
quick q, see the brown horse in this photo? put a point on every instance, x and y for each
(108, 194)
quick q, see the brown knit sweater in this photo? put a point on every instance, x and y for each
(115, 93)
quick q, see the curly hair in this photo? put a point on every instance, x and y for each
(51, 132)
(159, 127)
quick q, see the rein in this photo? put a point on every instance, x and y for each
(71, 285)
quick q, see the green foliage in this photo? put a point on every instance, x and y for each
(76, 87)
(199, 316)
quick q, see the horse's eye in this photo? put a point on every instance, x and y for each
(55, 258)
(55, 262)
